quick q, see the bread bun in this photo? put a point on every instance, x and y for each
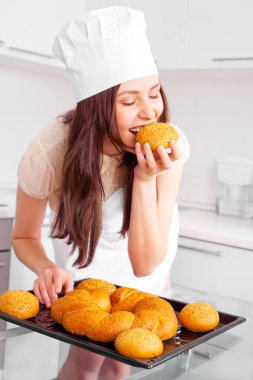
(199, 317)
(19, 304)
(111, 326)
(92, 284)
(139, 343)
(157, 134)
(126, 298)
(161, 311)
(80, 312)
(64, 304)
(81, 321)
(101, 298)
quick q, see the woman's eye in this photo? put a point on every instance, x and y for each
(154, 96)
(129, 104)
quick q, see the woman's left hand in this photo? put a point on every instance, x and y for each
(152, 164)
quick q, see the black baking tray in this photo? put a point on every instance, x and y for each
(182, 341)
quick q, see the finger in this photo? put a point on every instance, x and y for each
(37, 292)
(44, 293)
(150, 160)
(49, 281)
(165, 159)
(57, 279)
(175, 151)
(139, 155)
(68, 285)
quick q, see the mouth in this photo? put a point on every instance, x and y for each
(135, 130)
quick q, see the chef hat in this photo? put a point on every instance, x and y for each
(103, 48)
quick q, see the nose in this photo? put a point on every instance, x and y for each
(147, 111)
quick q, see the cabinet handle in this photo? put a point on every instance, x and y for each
(233, 59)
(31, 52)
(2, 264)
(205, 250)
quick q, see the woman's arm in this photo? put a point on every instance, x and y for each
(154, 194)
(26, 241)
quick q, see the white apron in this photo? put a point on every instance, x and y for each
(111, 261)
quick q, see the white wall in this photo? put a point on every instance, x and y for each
(29, 99)
(217, 117)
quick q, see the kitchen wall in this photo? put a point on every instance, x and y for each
(215, 111)
(29, 98)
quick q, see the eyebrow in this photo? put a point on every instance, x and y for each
(136, 92)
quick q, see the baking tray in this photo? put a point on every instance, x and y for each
(182, 341)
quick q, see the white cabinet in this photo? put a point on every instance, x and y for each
(213, 268)
(165, 27)
(219, 33)
(25, 278)
(32, 25)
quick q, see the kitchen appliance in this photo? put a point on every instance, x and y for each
(234, 195)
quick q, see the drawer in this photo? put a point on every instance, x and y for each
(213, 268)
(5, 233)
(4, 270)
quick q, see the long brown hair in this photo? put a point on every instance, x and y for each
(79, 215)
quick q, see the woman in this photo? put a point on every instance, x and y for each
(113, 202)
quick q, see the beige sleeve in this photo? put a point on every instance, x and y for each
(36, 175)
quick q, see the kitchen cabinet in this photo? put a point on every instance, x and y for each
(165, 27)
(31, 25)
(213, 268)
(5, 246)
(26, 277)
(219, 34)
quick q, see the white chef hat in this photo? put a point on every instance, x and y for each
(103, 48)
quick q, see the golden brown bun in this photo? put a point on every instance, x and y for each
(161, 311)
(199, 317)
(139, 343)
(64, 304)
(80, 313)
(101, 297)
(157, 134)
(126, 298)
(111, 326)
(19, 304)
(81, 321)
(92, 284)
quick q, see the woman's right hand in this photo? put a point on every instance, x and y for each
(50, 282)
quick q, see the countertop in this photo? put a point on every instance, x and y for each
(207, 225)
(32, 356)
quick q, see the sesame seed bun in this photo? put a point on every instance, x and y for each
(157, 134)
(199, 317)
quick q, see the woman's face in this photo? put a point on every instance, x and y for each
(138, 102)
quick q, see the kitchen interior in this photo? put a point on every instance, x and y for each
(204, 53)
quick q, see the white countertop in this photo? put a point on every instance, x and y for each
(207, 225)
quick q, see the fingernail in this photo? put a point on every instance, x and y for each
(161, 148)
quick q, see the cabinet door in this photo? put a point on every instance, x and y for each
(25, 278)
(219, 34)
(5, 234)
(32, 25)
(213, 268)
(165, 26)
(4, 270)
